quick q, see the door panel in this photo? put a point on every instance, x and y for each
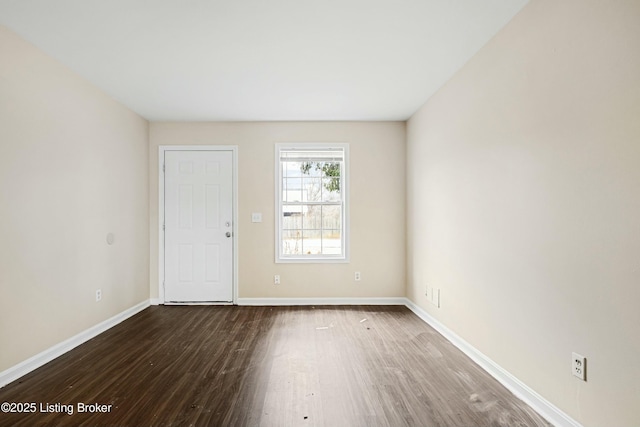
(198, 216)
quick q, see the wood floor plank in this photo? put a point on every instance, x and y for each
(268, 366)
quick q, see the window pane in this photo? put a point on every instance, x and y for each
(291, 242)
(292, 217)
(291, 169)
(332, 230)
(312, 189)
(291, 237)
(312, 169)
(312, 218)
(331, 189)
(332, 218)
(311, 242)
(292, 191)
(331, 242)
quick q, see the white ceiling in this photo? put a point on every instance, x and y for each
(199, 60)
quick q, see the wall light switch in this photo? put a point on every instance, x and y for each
(433, 295)
(256, 217)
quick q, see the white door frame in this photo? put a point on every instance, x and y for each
(161, 150)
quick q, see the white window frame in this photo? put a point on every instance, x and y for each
(302, 258)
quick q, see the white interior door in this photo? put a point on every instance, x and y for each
(198, 226)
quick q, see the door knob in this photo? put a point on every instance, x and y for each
(228, 234)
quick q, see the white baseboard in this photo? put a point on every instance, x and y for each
(542, 406)
(156, 301)
(59, 349)
(322, 301)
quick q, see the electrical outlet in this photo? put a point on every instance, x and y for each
(579, 366)
(98, 295)
(276, 279)
(357, 276)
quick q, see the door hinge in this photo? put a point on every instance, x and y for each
(163, 168)
(163, 226)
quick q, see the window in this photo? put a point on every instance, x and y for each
(311, 209)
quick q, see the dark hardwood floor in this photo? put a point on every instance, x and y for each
(267, 366)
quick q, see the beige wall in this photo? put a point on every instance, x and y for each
(523, 192)
(73, 167)
(377, 206)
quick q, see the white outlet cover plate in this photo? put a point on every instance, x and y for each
(579, 366)
(256, 217)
